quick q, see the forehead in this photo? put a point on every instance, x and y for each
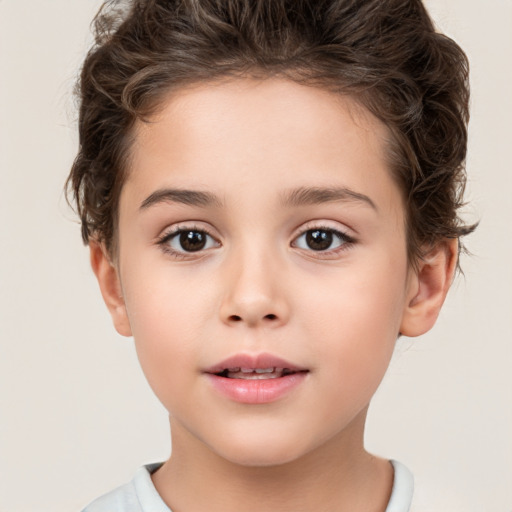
(249, 132)
(217, 112)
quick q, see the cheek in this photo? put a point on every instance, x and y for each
(164, 315)
(363, 303)
(162, 303)
(355, 323)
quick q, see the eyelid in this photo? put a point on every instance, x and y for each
(346, 239)
(342, 233)
(326, 225)
(188, 225)
(173, 231)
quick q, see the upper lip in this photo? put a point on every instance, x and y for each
(255, 361)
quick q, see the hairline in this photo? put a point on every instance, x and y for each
(155, 103)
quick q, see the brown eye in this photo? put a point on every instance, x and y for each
(322, 239)
(319, 239)
(191, 241)
(188, 241)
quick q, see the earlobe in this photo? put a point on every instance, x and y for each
(110, 287)
(428, 287)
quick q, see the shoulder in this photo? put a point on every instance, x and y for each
(431, 495)
(122, 499)
(138, 495)
(421, 494)
(402, 491)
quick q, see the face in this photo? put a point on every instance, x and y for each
(262, 266)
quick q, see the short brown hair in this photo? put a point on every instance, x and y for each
(384, 53)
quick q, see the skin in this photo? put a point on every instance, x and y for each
(257, 286)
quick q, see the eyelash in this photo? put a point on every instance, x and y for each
(345, 241)
(170, 235)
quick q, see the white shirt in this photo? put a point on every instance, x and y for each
(140, 494)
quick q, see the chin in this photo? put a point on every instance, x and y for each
(264, 451)
(260, 459)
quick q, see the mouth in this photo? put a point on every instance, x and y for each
(256, 373)
(257, 379)
(255, 367)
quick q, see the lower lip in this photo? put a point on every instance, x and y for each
(258, 391)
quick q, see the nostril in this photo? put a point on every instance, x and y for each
(237, 318)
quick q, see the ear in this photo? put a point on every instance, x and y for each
(427, 288)
(110, 286)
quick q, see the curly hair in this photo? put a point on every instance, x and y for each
(386, 54)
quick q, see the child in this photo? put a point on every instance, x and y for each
(269, 190)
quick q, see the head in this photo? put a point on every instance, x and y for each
(221, 126)
(385, 56)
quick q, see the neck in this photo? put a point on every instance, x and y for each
(337, 476)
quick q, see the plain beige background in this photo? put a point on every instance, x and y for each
(76, 416)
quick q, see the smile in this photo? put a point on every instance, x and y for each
(259, 379)
(255, 373)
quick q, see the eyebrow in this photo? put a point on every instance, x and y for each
(302, 196)
(316, 195)
(173, 195)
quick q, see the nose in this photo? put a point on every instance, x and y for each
(254, 291)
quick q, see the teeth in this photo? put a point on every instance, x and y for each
(256, 373)
(256, 376)
(254, 370)
(264, 370)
